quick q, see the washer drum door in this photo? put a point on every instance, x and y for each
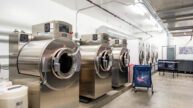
(141, 57)
(148, 57)
(103, 62)
(124, 60)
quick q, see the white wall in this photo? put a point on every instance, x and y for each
(133, 46)
(159, 41)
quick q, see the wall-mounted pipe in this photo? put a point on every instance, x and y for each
(113, 33)
(86, 8)
(116, 16)
(83, 9)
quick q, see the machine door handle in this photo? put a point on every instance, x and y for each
(57, 67)
(105, 63)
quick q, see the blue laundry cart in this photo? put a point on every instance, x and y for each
(142, 77)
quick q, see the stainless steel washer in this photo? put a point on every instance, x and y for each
(120, 63)
(141, 53)
(147, 54)
(96, 64)
(48, 68)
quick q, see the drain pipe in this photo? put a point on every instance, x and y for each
(116, 16)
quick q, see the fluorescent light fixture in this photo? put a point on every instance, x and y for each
(138, 1)
(138, 8)
(153, 21)
(159, 28)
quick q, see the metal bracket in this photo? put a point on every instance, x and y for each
(56, 65)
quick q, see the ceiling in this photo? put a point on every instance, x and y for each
(176, 14)
(122, 8)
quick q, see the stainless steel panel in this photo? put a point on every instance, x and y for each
(55, 29)
(14, 47)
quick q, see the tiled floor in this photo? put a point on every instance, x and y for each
(169, 93)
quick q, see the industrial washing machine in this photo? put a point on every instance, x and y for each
(153, 52)
(48, 66)
(154, 57)
(137, 51)
(141, 53)
(96, 65)
(147, 54)
(121, 60)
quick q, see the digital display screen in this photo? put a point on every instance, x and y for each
(116, 41)
(95, 37)
(105, 37)
(64, 28)
(24, 38)
(47, 27)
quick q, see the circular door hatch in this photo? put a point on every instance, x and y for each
(141, 57)
(104, 64)
(63, 64)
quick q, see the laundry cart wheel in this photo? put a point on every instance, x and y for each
(152, 91)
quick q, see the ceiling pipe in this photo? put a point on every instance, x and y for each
(113, 33)
(153, 13)
(118, 17)
(181, 34)
(86, 8)
(173, 9)
(177, 20)
(181, 28)
(177, 16)
(4, 33)
(80, 10)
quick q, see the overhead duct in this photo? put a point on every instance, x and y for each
(179, 34)
(114, 33)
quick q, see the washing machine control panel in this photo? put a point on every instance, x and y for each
(24, 38)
